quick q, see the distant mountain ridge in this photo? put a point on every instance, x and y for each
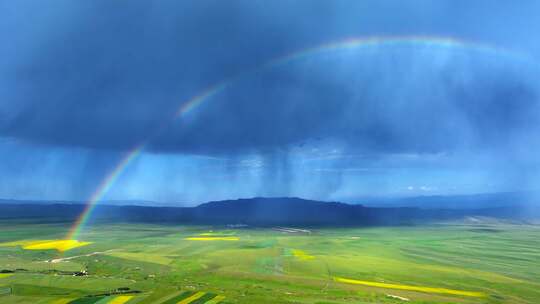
(462, 201)
(257, 211)
(67, 202)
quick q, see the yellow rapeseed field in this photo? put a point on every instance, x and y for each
(302, 255)
(412, 288)
(120, 300)
(19, 243)
(60, 245)
(5, 275)
(192, 298)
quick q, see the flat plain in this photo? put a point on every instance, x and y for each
(460, 262)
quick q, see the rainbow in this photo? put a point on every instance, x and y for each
(417, 41)
(208, 93)
(200, 98)
(103, 188)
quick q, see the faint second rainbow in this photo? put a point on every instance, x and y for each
(200, 98)
(351, 43)
(208, 93)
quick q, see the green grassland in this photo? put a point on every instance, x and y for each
(160, 265)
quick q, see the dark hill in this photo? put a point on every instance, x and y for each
(253, 212)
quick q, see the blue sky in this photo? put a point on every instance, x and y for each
(82, 83)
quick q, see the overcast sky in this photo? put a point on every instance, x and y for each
(444, 102)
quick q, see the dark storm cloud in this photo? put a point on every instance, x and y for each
(106, 75)
(388, 99)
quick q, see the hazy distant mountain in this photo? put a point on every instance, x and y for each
(108, 202)
(466, 201)
(257, 212)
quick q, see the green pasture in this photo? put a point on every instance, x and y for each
(157, 264)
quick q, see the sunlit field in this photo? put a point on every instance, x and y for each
(59, 245)
(125, 263)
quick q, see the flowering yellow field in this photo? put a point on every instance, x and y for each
(60, 245)
(216, 300)
(120, 300)
(412, 288)
(302, 255)
(5, 275)
(192, 298)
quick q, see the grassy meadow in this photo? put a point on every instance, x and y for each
(140, 263)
